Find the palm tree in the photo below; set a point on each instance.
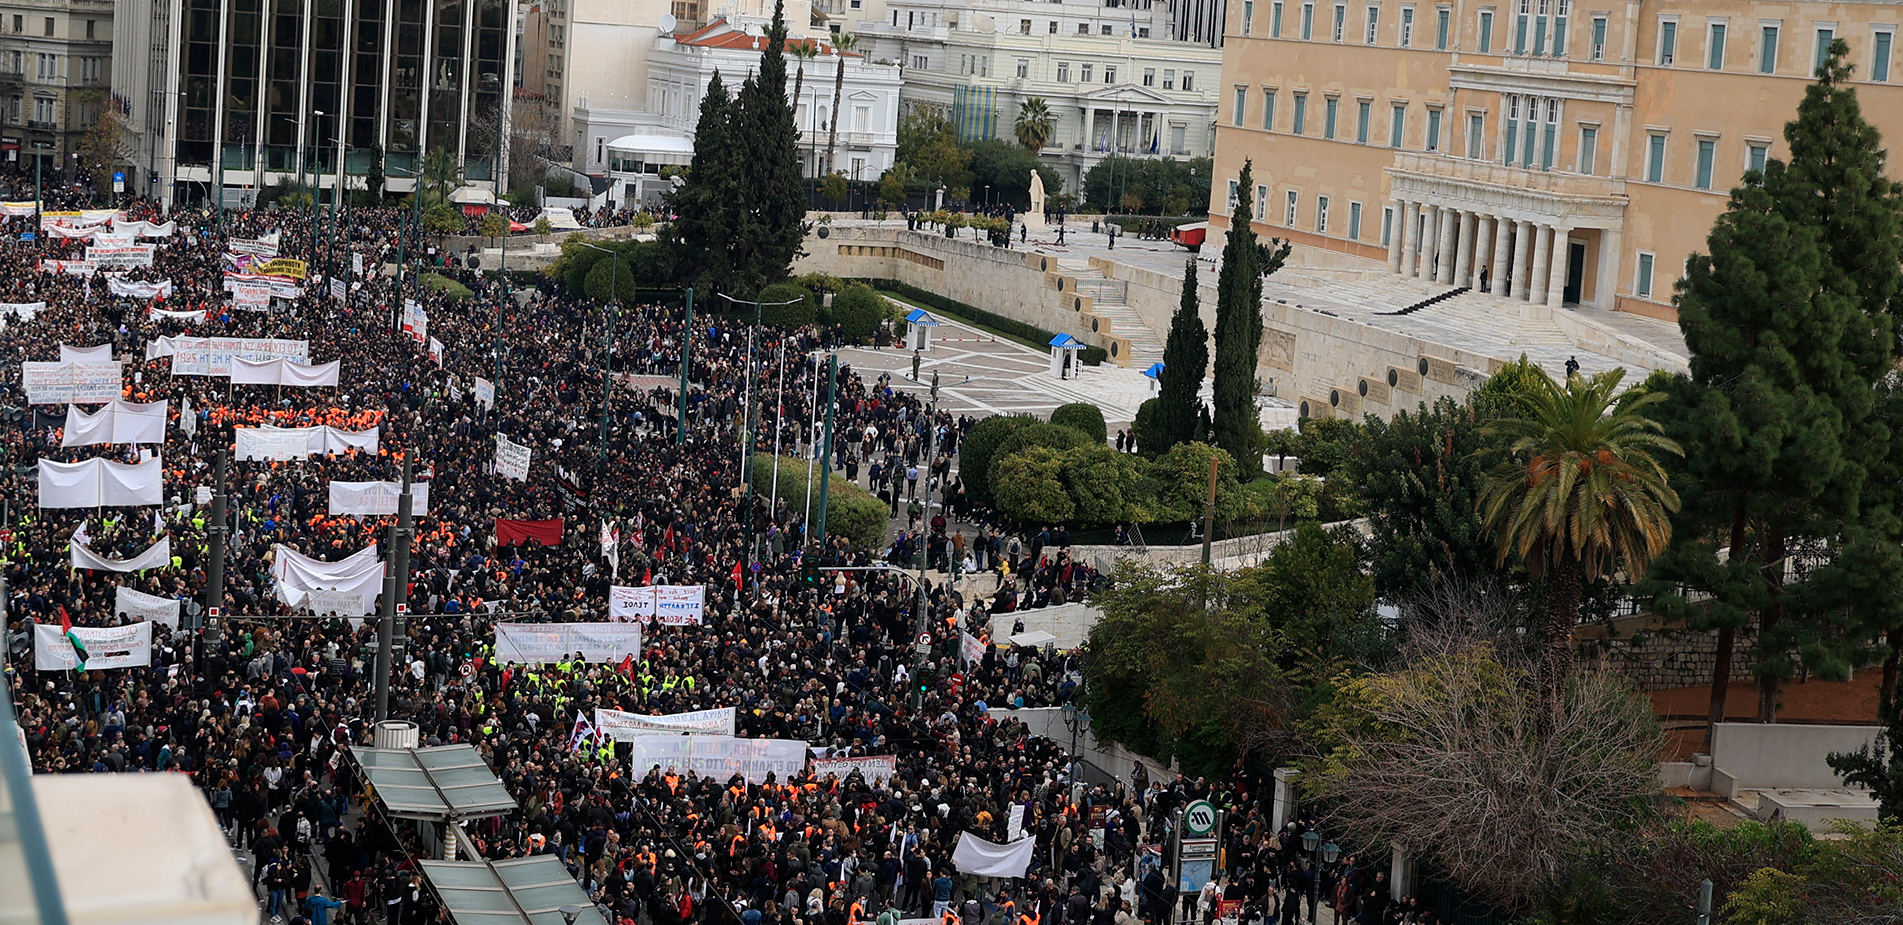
(1579, 497)
(804, 51)
(843, 43)
(1033, 126)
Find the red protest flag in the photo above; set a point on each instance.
(537, 532)
(738, 584)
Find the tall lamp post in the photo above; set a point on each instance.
(607, 343)
(746, 435)
(1324, 854)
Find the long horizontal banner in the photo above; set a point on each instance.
(100, 482)
(299, 576)
(284, 372)
(668, 605)
(123, 255)
(64, 383)
(69, 267)
(623, 726)
(126, 646)
(138, 289)
(271, 442)
(212, 356)
(870, 767)
(719, 757)
(376, 499)
(141, 606)
(544, 643)
(118, 422)
(157, 555)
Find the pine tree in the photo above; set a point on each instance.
(771, 223)
(1179, 412)
(1245, 262)
(1787, 322)
(707, 205)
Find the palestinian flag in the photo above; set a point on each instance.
(79, 648)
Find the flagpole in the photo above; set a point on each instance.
(812, 431)
(779, 420)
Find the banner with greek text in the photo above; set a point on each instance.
(61, 383)
(126, 646)
(123, 255)
(625, 727)
(141, 606)
(512, 459)
(544, 643)
(212, 356)
(668, 605)
(376, 499)
(138, 289)
(719, 757)
(870, 767)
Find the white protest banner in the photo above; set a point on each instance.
(336, 288)
(212, 356)
(680, 605)
(299, 576)
(284, 372)
(118, 422)
(630, 605)
(544, 643)
(25, 310)
(126, 646)
(249, 298)
(85, 218)
(141, 606)
(356, 264)
(63, 383)
(138, 289)
(69, 267)
(101, 483)
(339, 603)
(157, 312)
(283, 287)
(376, 498)
(436, 351)
(18, 209)
(512, 459)
(124, 255)
(970, 648)
(144, 229)
(719, 757)
(625, 727)
(288, 443)
(98, 353)
(255, 248)
(158, 555)
(981, 858)
(871, 767)
(485, 392)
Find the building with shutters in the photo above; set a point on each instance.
(1545, 151)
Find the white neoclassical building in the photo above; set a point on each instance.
(1113, 80)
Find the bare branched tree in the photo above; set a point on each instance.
(1446, 756)
(1454, 613)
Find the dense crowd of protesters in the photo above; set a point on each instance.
(261, 708)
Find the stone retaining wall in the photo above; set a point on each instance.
(1658, 655)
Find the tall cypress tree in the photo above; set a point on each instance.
(1179, 412)
(1245, 262)
(772, 221)
(1789, 328)
(707, 203)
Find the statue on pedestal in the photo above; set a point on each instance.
(1034, 216)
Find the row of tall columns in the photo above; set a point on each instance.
(1451, 246)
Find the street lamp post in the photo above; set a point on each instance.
(1328, 853)
(921, 618)
(746, 435)
(607, 343)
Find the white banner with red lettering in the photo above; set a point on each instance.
(870, 767)
(626, 727)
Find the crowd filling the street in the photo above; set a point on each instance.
(805, 638)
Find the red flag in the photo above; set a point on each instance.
(738, 584)
(536, 532)
(627, 666)
(647, 577)
(65, 622)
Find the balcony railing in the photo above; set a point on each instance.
(1486, 173)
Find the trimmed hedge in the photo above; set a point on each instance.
(1033, 334)
(851, 511)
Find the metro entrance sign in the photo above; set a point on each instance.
(1199, 819)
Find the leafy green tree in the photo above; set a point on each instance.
(892, 185)
(857, 312)
(1049, 436)
(1178, 485)
(1034, 124)
(797, 315)
(1006, 168)
(1313, 590)
(980, 447)
(1174, 651)
(1245, 263)
(1789, 325)
(1325, 445)
(928, 145)
(1179, 409)
(1029, 488)
(834, 188)
(771, 197)
(706, 205)
(1084, 418)
(1105, 486)
(1419, 475)
(1175, 185)
(1580, 496)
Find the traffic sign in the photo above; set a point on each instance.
(1199, 819)
(403, 607)
(212, 612)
